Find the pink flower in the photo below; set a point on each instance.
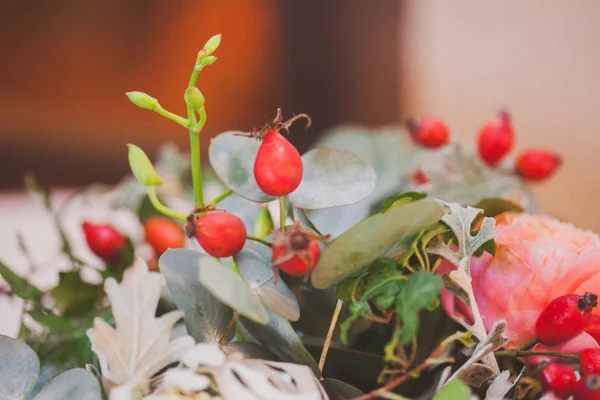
(537, 260)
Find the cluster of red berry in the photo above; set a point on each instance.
(561, 320)
(496, 139)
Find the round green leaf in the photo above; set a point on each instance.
(206, 318)
(371, 239)
(257, 271)
(232, 157)
(231, 289)
(333, 178)
(19, 368)
(73, 384)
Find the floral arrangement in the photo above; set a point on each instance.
(386, 263)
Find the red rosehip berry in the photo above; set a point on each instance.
(496, 139)
(419, 177)
(104, 241)
(564, 318)
(163, 233)
(278, 167)
(296, 251)
(428, 132)
(537, 165)
(588, 388)
(593, 327)
(589, 361)
(559, 379)
(219, 233)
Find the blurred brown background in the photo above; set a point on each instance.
(66, 64)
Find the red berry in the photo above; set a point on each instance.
(564, 318)
(219, 233)
(589, 361)
(278, 166)
(496, 139)
(104, 241)
(560, 379)
(419, 177)
(428, 132)
(537, 165)
(593, 327)
(588, 388)
(163, 233)
(296, 251)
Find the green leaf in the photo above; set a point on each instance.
(54, 322)
(232, 158)
(350, 288)
(494, 206)
(332, 178)
(19, 285)
(342, 389)
(455, 390)
(279, 337)
(415, 295)
(67, 351)
(402, 198)
(73, 296)
(19, 368)
(231, 289)
(141, 167)
(358, 309)
(73, 384)
(206, 318)
(372, 238)
(258, 272)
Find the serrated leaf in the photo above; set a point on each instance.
(414, 296)
(258, 272)
(232, 158)
(19, 368)
(455, 390)
(19, 285)
(279, 337)
(73, 296)
(332, 178)
(73, 384)
(372, 238)
(231, 289)
(205, 316)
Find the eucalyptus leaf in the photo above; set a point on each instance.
(19, 285)
(73, 384)
(19, 368)
(257, 271)
(231, 289)
(232, 158)
(279, 337)
(372, 238)
(332, 178)
(206, 318)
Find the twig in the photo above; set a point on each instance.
(332, 325)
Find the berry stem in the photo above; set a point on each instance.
(172, 116)
(259, 240)
(282, 213)
(332, 325)
(521, 353)
(161, 207)
(222, 197)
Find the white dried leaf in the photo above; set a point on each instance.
(208, 354)
(139, 345)
(184, 380)
(500, 386)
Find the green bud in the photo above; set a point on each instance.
(143, 100)
(263, 224)
(212, 44)
(142, 167)
(208, 60)
(194, 98)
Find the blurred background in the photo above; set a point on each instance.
(65, 66)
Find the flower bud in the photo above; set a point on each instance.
(212, 44)
(209, 60)
(194, 98)
(143, 100)
(142, 168)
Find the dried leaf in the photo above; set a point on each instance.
(475, 374)
(501, 386)
(139, 345)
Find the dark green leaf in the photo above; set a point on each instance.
(205, 317)
(19, 285)
(488, 247)
(74, 384)
(455, 390)
(332, 178)
(402, 198)
(257, 271)
(340, 390)
(371, 238)
(279, 337)
(54, 322)
(350, 288)
(357, 309)
(232, 158)
(67, 351)
(415, 295)
(19, 368)
(495, 206)
(73, 296)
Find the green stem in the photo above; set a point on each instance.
(259, 240)
(195, 127)
(173, 117)
(161, 207)
(222, 197)
(520, 353)
(282, 213)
